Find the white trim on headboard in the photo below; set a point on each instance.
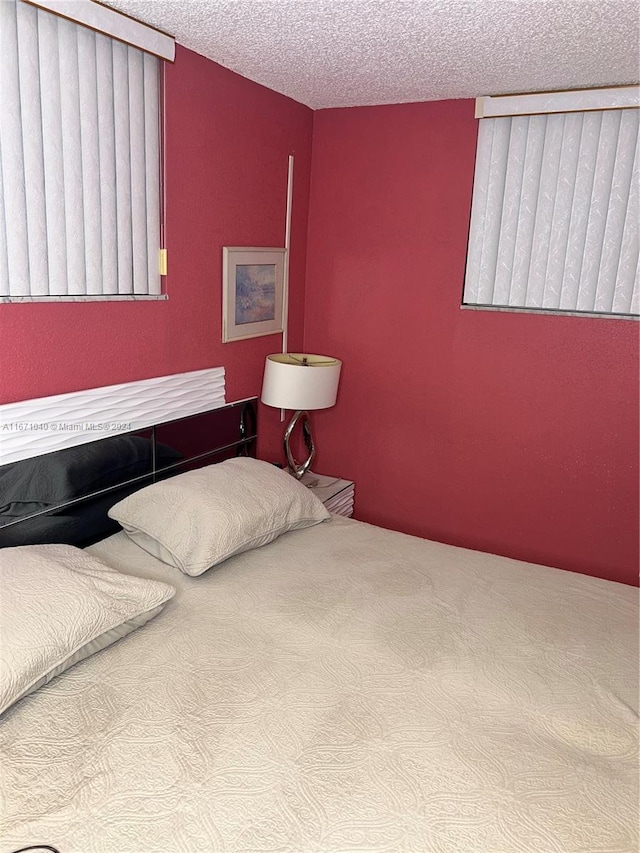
(32, 427)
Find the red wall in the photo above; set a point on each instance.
(227, 144)
(510, 433)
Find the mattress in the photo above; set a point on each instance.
(345, 688)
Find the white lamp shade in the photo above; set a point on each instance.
(300, 381)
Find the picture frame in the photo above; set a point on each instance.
(252, 292)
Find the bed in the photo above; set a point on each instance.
(338, 688)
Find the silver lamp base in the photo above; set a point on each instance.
(298, 469)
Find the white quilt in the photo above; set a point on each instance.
(342, 689)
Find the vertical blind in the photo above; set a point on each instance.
(555, 213)
(79, 158)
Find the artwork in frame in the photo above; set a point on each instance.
(252, 292)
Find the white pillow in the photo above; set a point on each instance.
(58, 605)
(198, 519)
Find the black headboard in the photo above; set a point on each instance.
(64, 496)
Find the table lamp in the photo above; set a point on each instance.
(300, 382)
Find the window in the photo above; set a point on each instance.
(79, 153)
(555, 211)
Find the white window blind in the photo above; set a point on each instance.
(555, 213)
(79, 161)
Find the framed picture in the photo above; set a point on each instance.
(252, 292)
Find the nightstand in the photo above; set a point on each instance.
(336, 494)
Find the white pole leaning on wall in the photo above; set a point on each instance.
(287, 246)
(285, 271)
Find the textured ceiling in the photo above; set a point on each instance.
(339, 53)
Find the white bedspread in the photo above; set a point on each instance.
(342, 689)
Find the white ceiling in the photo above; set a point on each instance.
(340, 53)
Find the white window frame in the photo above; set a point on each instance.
(554, 219)
(80, 153)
